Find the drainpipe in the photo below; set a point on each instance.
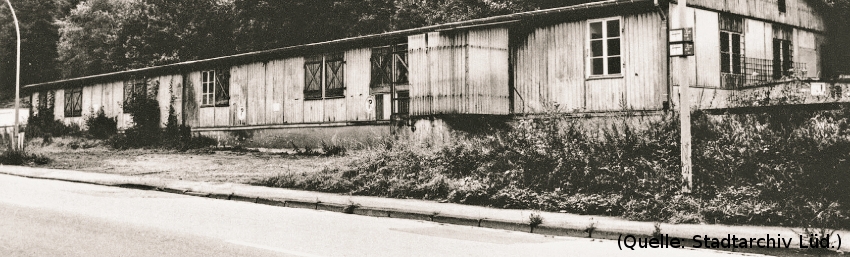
(667, 61)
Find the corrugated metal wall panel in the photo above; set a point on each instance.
(420, 91)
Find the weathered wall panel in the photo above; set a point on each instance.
(798, 12)
(273, 93)
(357, 78)
(96, 100)
(606, 95)
(293, 85)
(313, 111)
(488, 71)
(463, 72)
(707, 48)
(549, 69)
(420, 88)
(645, 57)
(191, 100)
(238, 96)
(87, 103)
(255, 89)
(59, 109)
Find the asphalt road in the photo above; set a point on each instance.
(54, 218)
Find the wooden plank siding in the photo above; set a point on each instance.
(758, 43)
(293, 93)
(707, 49)
(550, 69)
(272, 92)
(798, 13)
(357, 78)
(645, 72)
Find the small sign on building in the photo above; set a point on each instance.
(681, 42)
(818, 89)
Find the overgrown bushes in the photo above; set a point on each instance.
(769, 168)
(101, 127)
(146, 130)
(42, 124)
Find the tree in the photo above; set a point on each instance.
(88, 42)
(38, 42)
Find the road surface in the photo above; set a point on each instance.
(54, 218)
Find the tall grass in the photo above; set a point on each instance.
(768, 168)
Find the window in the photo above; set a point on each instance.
(215, 88)
(74, 102)
(782, 6)
(389, 65)
(731, 45)
(783, 63)
(324, 76)
(605, 47)
(135, 87)
(334, 76)
(45, 101)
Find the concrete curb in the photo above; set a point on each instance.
(594, 227)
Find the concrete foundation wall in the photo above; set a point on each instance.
(350, 136)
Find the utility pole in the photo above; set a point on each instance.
(684, 105)
(17, 80)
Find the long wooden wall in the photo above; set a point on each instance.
(463, 72)
(272, 93)
(798, 12)
(551, 69)
(704, 66)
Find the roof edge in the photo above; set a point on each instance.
(271, 53)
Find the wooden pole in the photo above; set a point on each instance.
(17, 78)
(684, 106)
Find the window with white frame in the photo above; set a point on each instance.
(605, 42)
(215, 87)
(731, 44)
(732, 59)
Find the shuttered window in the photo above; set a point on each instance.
(73, 102)
(324, 76)
(389, 65)
(334, 76)
(605, 43)
(215, 88)
(134, 88)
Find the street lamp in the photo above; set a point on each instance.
(17, 78)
